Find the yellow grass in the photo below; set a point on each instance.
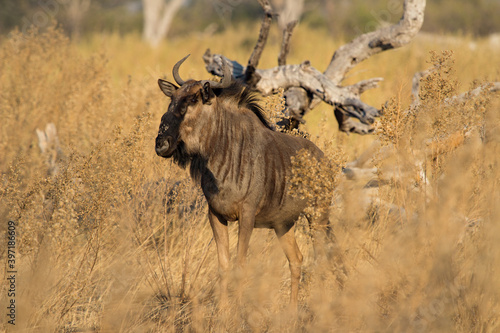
(119, 241)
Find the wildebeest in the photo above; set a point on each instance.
(242, 164)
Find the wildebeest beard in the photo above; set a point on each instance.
(197, 168)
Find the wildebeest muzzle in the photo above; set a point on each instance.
(164, 146)
(168, 134)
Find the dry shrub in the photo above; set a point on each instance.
(98, 225)
(274, 106)
(118, 240)
(315, 180)
(421, 273)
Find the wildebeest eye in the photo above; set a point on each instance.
(194, 98)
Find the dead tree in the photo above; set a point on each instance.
(305, 86)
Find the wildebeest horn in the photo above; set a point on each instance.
(175, 71)
(226, 77)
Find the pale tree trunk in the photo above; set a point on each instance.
(75, 12)
(288, 11)
(158, 17)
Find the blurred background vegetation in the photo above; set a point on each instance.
(342, 18)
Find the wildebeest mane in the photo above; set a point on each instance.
(181, 156)
(245, 97)
(197, 166)
(195, 161)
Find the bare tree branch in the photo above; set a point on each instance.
(369, 44)
(415, 84)
(415, 88)
(305, 86)
(348, 125)
(253, 61)
(213, 64)
(489, 87)
(362, 86)
(314, 82)
(285, 44)
(288, 17)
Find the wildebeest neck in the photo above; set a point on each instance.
(198, 169)
(219, 147)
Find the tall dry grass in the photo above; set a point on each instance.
(118, 239)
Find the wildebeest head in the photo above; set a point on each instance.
(186, 102)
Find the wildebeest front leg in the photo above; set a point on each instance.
(287, 240)
(246, 225)
(221, 236)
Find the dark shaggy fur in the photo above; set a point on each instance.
(245, 97)
(197, 164)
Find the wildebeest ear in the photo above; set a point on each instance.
(206, 93)
(167, 87)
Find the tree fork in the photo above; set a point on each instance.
(305, 86)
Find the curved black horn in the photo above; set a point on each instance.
(226, 77)
(175, 71)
